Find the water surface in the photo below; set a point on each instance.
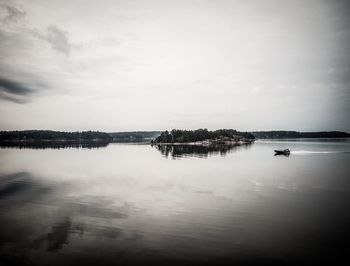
(137, 204)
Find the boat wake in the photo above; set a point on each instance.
(302, 152)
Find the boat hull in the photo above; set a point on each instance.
(282, 152)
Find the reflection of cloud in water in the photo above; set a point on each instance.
(59, 234)
(21, 187)
(19, 192)
(56, 238)
(40, 217)
(13, 184)
(197, 150)
(96, 210)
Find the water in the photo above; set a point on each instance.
(137, 204)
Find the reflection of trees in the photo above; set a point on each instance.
(197, 150)
(53, 145)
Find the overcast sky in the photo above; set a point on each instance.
(154, 65)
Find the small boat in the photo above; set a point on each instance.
(282, 152)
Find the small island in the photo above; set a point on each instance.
(204, 137)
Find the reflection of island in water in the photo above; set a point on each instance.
(53, 145)
(201, 151)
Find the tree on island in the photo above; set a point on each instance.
(183, 136)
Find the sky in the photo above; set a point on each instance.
(113, 65)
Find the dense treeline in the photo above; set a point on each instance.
(182, 136)
(49, 135)
(295, 134)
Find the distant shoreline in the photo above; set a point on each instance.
(283, 134)
(183, 137)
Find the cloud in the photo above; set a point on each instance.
(19, 75)
(24, 52)
(12, 98)
(58, 39)
(17, 91)
(14, 87)
(12, 14)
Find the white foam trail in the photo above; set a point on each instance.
(317, 152)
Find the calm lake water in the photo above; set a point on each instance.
(137, 204)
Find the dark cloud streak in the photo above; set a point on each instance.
(14, 87)
(15, 91)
